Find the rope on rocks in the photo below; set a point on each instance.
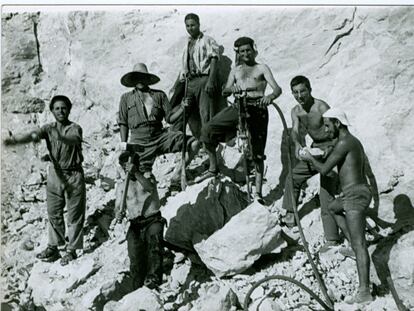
(329, 304)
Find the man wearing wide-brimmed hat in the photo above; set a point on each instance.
(307, 119)
(141, 112)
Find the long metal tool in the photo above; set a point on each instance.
(328, 305)
(184, 147)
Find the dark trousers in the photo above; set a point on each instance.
(145, 250)
(329, 186)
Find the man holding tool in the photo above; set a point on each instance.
(137, 197)
(307, 119)
(247, 75)
(65, 181)
(349, 157)
(141, 112)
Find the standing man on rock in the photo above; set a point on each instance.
(198, 65)
(307, 118)
(223, 127)
(349, 157)
(65, 181)
(145, 233)
(141, 112)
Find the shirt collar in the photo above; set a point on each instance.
(199, 37)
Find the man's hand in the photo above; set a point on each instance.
(305, 154)
(10, 141)
(116, 229)
(235, 89)
(122, 146)
(265, 101)
(130, 167)
(186, 102)
(209, 88)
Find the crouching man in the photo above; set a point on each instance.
(145, 233)
(349, 156)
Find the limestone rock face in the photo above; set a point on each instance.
(248, 235)
(201, 210)
(141, 299)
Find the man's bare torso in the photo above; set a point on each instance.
(251, 77)
(319, 106)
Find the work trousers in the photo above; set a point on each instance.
(145, 249)
(329, 187)
(66, 188)
(202, 108)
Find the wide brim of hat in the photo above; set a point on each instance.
(132, 78)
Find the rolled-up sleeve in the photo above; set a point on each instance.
(123, 112)
(213, 49)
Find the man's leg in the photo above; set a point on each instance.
(356, 224)
(137, 255)
(154, 241)
(336, 208)
(329, 187)
(219, 129)
(257, 124)
(56, 224)
(301, 173)
(76, 207)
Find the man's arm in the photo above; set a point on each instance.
(123, 120)
(295, 132)
(25, 138)
(229, 88)
(266, 100)
(211, 76)
(339, 153)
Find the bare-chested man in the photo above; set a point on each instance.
(247, 74)
(307, 119)
(349, 157)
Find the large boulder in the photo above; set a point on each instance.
(248, 235)
(141, 299)
(201, 210)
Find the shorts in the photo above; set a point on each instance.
(355, 198)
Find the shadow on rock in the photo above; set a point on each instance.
(404, 214)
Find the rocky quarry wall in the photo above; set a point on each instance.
(357, 58)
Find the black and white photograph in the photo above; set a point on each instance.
(207, 157)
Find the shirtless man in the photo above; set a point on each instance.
(349, 157)
(307, 118)
(223, 127)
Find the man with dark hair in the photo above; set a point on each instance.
(145, 233)
(65, 181)
(349, 157)
(141, 112)
(307, 119)
(223, 127)
(198, 65)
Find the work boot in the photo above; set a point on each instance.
(68, 257)
(327, 246)
(289, 219)
(362, 297)
(50, 254)
(259, 198)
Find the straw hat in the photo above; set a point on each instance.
(139, 74)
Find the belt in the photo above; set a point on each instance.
(150, 124)
(196, 75)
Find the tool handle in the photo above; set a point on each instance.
(121, 214)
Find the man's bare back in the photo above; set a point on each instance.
(351, 168)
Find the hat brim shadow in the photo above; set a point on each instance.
(131, 79)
